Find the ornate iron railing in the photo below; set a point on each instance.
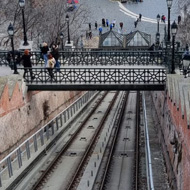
(114, 58)
(91, 76)
(92, 57)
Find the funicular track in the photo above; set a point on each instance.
(123, 151)
(96, 136)
(55, 163)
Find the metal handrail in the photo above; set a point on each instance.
(150, 182)
(37, 140)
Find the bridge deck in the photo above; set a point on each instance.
(97, 78)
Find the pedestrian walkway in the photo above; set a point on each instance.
(5, 71)
(127, 13)
(91, 43)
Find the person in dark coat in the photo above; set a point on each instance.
(121, 25)
(96, 25)
(135, 23)
(55, 54)
(178, 19)
(27, 63)
(140, 16)
(107, 22)
(44, 50)
(89, 26)
(103, 22)
(90, 34)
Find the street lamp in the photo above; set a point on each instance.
(67, 19)
(22, 5)
(174, 32)
(158, 20)
(169, 4)
(61, 36)
(10, 31)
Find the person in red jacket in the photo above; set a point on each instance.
(27, 63)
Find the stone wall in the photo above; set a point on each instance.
(173, 113)
(22, 113)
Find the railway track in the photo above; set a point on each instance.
(102, 142)
(71, 150)
(121, 166)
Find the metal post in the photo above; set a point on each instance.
(158, 27)
(169, 23)
(62, 44)
(173, 54)
(9, 165)
(13, 55)
(19, 157)
(68, 33)
(24, 29)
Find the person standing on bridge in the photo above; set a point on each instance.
(55, 54)
(27, 63)
(51, 64)
(44, 50)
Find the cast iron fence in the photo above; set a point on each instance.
(89, 75)
(96, 57)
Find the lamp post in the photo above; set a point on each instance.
(61, 36)
(67, 19)
(157, 39)
(81, 42)
(169, 4)
(158, 20)
(22, 5)
(174, 32)
(10, 31)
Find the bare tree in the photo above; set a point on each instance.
(183, 33)
(44, 20)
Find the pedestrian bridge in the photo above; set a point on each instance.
(100, 70)
(98, 78)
